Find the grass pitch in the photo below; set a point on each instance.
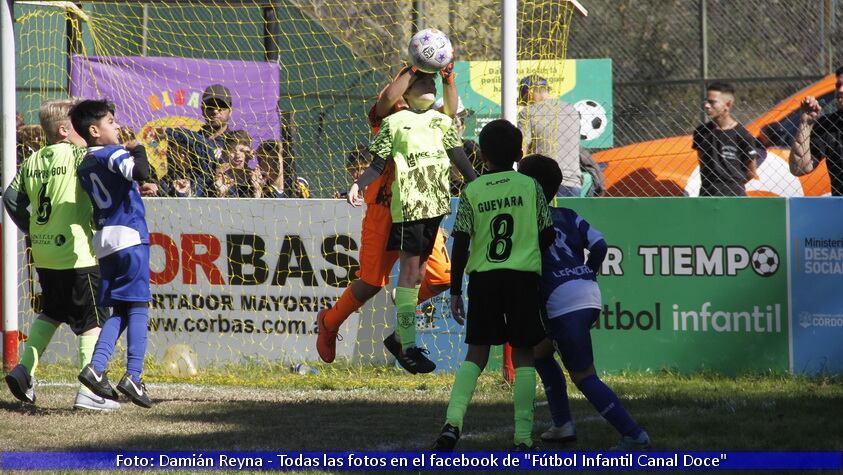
(264, 407)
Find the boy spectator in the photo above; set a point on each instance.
(108, 174)
(418, 143)
(727, 151)
(356, 163)
(233, 178)
(30, 139)
(818, 138)
(504, 217)
(375, 261)
(271, 166)
(571, 296)
(551, 127)
(59, 230)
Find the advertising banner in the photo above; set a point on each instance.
(816, 232)
(151, 92)
(691, 285)
(585, 83)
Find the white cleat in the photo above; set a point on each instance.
(566, 433)
(86, 399)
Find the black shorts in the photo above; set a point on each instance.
(504, 306)
(68, 296)
(414, 237)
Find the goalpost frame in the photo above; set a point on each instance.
(7, 142)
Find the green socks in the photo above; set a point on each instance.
(464, 384)
(40, 334)
(405, 307)
(86, 349)
(523, 398)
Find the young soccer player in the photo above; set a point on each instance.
(375, 261)
(108, 174)
(503, 215)
(59, 230)
(572, 298)
(418, 143)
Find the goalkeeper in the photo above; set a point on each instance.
(375, 261)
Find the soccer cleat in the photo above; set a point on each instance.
(627, 443)
(564, 433)
(447, 439)
(326, 341)
(135, 391)
(97, 383)
(412, 359)
(86, 399)
(20, 384)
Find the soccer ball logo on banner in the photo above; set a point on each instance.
(592, 119)
(765, 261)
(430, 50)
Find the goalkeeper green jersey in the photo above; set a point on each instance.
(417, 142)
(60, 224)
(503, 213)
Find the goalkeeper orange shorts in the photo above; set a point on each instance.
(376, 262)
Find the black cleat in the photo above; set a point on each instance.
(447, 439)
(20, 384)
(97, 383)
(523, 447)
(412, 359)
(134, 391)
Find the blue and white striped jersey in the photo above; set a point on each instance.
(568, 282)
(119, 215)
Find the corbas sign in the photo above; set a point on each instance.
(248, 262)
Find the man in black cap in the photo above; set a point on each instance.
(193, 156)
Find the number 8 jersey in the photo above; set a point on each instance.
(503, 213)
(119, 215)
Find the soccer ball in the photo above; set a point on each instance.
(430, 50)
(765, 261)
(592, 119)
(181, 361)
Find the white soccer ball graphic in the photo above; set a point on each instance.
(765, 261)
(181, 361)
(593, 119)
(430, 50)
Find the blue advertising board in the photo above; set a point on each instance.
(816, 247)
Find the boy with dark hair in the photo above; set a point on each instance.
(233, 178)
(727, 151)
(59, 230)
(572, 298)
(108, 174)
(503, 215)
(419, 143)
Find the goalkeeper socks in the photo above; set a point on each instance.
(464, 383)
(523, 398)
(608, 405)
(40, 334)
(110, 332)
(405, 309)
(345, 306)
(555, 389)
(87, 343)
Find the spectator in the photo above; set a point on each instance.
(551, 127)
(356, 163)
(234, 179)
(817, 138)
(594, 183)
(31, 138)
(196, 155)
(19, 121)
(727, 151)
(270, 161)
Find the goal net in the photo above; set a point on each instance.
(242, 279)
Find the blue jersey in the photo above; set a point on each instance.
(119, 215)
(569, 283)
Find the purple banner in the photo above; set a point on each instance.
(167, 92)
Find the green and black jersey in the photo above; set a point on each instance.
(60, 224)
(417, 142)
(503, 213)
